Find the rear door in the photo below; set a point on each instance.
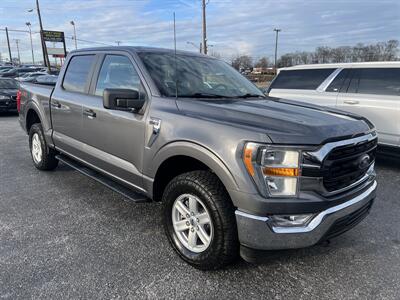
(114, 139)
(66, 104)
(375, 94)
(305, 86)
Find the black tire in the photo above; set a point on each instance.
(48, 160)
(224, 245)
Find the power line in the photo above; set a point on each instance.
(16, 30)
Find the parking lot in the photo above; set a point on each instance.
(63, 235)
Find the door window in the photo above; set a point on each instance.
(77, 74)
(379, 81)
(118, 72)
(301, 79)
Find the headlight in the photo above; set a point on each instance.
(3, 97)
(275, 170)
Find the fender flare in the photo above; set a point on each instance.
(31, 105)
(47, 129)
(198, 152)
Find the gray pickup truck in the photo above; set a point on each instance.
(236, 172)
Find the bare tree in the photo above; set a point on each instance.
(391, 50)
(286, 60)
(242, 62)
(323, 54)
(262, 63)
(214, 53)
(384, 51)
(305, 57)
(340, 54)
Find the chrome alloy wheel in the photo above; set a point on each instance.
(192, 223)
(36, 148)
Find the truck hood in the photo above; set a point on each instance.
(285, 122)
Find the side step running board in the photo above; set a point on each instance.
(132, 195)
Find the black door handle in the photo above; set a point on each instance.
(89, 113)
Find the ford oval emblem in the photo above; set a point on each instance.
(364, 161)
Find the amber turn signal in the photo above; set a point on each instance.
(248, 157)
(287, 172)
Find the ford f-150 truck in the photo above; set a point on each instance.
(236, 172)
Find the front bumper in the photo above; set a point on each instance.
(257, 232)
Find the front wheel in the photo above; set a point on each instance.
(43, 157)
(199, 220)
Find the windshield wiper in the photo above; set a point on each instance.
(248, 95)
(202, 95)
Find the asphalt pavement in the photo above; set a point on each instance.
(64, 236)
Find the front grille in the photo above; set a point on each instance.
(343, 166)
(347, 222)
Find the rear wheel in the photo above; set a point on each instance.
(42, 156)
(199, 220)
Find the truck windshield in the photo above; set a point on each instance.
(196, 77)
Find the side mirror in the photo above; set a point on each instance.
(122, 99)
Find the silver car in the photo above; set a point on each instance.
(369, 89)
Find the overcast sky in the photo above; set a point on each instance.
(234, 27)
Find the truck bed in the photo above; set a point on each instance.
(37, 97)
(41, 90)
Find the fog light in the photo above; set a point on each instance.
(291, 220)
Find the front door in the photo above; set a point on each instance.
(114, 139)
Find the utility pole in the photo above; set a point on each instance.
(276, 47)
(76, 43)
(174, 34)
(45, 57)
(204, 4)
(55, 58)
(8, 44)
(30, 35)
(19, 57)
(118, 42)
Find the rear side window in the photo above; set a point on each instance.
(77, 73)
(380, 81)
(301, 79)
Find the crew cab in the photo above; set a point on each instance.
(236, 172)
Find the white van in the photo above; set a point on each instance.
(369, 89)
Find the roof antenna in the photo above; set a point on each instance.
(176, 69)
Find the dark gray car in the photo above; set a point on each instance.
(8, 94)
(237, 172)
